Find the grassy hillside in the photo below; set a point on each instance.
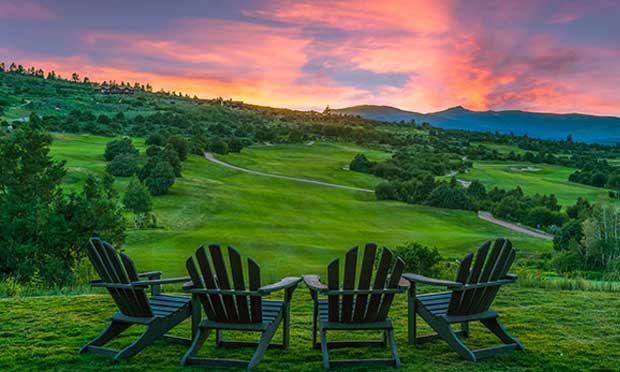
(541, 178)
(295, 227)
(561, 331)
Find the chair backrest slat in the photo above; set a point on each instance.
(368, 263)
(461, 277)
(222, 281)
(359, 308)
(474, 277)
(197, 282)
(256, 307)
(348, 282)
(236, 307)
(237, 277)
(397, 271)
(210, 283)
(487, 269)
(106, 261)
(333, 280)
(380, 276)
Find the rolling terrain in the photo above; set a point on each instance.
(297, 227)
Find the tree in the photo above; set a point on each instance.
(600, 245)
(120, 146)
(419, 259)
(160, 178)
(75, 77)
(360, 164)
(180, 145)
(43, 230)
(218, 146)
(386, 191)
(613, 182)
(155, 139)
(2, 67)
(138, 200)
(447, 196)
(123, 165)
(172, 157)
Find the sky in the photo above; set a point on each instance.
(425, 56)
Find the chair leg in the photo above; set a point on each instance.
(324, 348)
(314, 324)
(447, 334)
(263, 344)
(495, 326)
(286, 330)
(392, 341)
(201, 336)
(219, 337)
(112, 330)
(465, 329)
(151, 334)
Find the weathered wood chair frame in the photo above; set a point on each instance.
(469, 299)
(159, 314)
(235, 309)
(356, 308)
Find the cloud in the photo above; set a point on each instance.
(24, 10)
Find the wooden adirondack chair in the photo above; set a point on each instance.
(352, 306)
(233, 307)
(469, 299)
(159, 313)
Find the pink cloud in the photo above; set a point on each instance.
(24, 9)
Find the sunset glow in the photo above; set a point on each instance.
(557, 56)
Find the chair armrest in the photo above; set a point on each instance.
(431, 281)
(150, 275)
(313, 282)
(163, 281)
(512, 277)
(288, 282)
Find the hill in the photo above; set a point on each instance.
(586, 128)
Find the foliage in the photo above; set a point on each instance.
(118, 147)
(360, 164)
(123, 165)
(138, 200)
(160, 178)
(180, 145)
(218, 146)
(419, 259)
(43, 232)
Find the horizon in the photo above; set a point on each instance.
(556, 57)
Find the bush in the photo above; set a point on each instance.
(123, 165)
(448, 196)
(138, 200)
(155, 139)
(420, 259)
(180, 145)
(386, 191)
(160, 178)
(218, 146)
(117, 147)
(360, 164)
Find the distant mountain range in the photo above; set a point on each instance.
(585, 128)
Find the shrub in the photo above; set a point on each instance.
(449, 196)
(218, 146)
(386, 191)
(155, 139)
(123, 165)
(180, 145)
(419, 259)
(160, 178)
(117, 147)
(360, 164)
(138, 200)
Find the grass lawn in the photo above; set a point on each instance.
(561, 331)
(291, 227)
(547, 179)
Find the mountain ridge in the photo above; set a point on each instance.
(546, 125)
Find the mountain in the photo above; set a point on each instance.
(586, 128)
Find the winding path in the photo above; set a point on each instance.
(481, 214)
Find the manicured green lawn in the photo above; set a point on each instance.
(547, 179)
(287, 226)
(561, 331)
(327, 162)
